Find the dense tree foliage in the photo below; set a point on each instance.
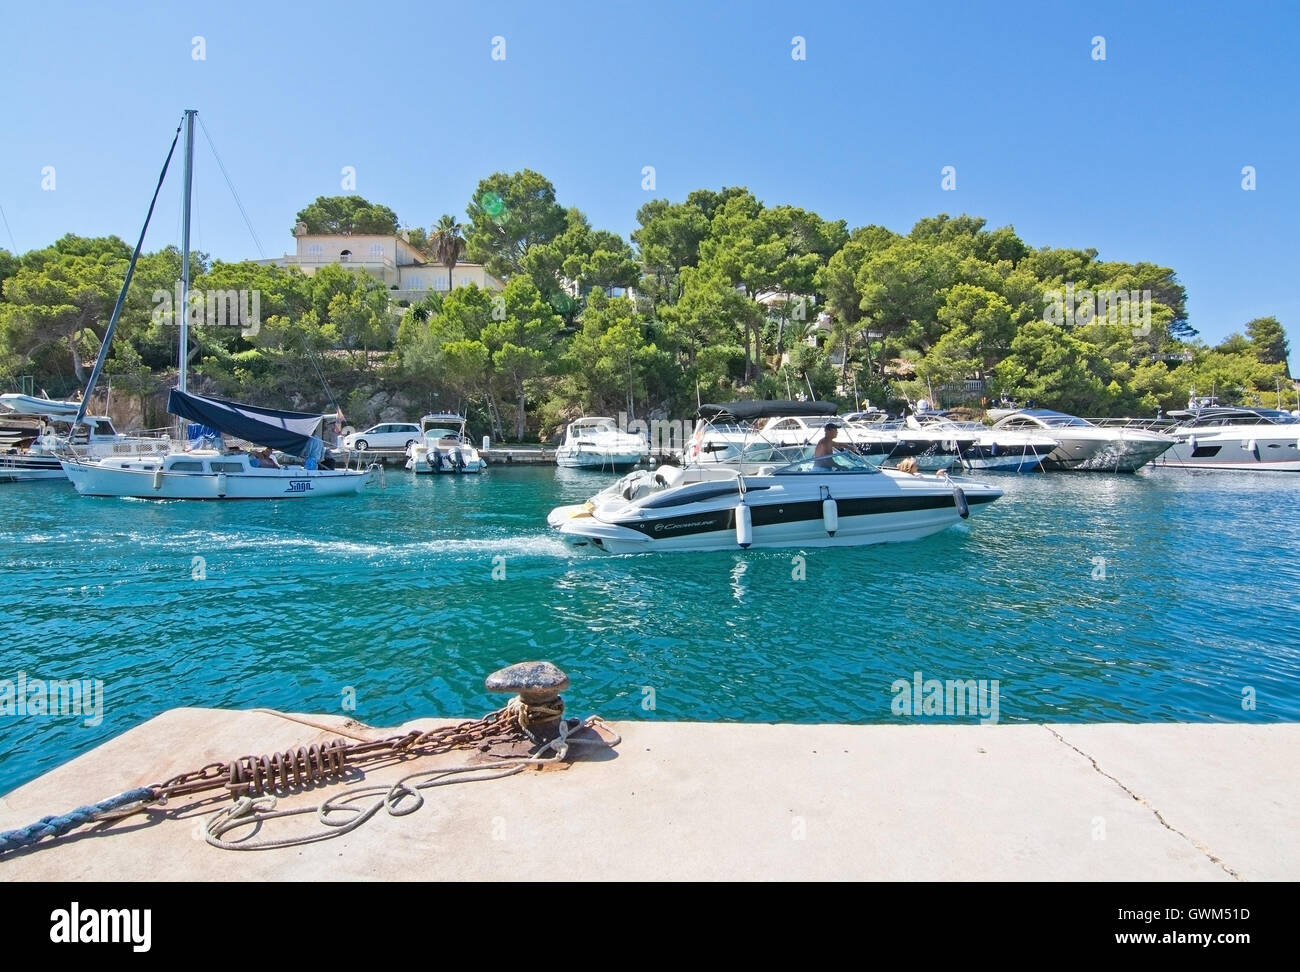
(716, 296)
(347, 214)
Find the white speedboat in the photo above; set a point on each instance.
(1228, 437)
(93, 438)
(443, 447)
(597, 443)
(838, 500)
(208, 474)
(1084, 446)
(1003, 450)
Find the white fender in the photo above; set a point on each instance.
(1191, 443)
(157, 478)
(1253, 448)
(744, 525)
(221, 484)
(830, 515)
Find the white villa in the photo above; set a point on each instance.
(408, 274)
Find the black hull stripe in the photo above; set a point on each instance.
(770, 513)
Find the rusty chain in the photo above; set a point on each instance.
(303, 765)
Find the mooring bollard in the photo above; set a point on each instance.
(538, 685)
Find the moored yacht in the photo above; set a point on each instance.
(1234, 437)
(1084, 446)
(443, 447)
(597, 443)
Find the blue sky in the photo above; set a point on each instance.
(1139, 155)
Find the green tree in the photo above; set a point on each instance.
(524, 343)
(1050, 365)
(1268, 340)
(509, 214)
(347, 215)
(56, 302)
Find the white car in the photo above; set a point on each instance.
(390, 435)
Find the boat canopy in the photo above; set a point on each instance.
(292, 432)
(746, 411)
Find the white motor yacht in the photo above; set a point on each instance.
(1229, 437)
(444, 447)
(597, 443)
(1084, 446)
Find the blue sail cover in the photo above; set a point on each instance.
(292, 432)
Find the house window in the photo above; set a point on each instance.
(345, 256)
(314, 250)
(377, 251)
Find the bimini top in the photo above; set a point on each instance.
(746, 411)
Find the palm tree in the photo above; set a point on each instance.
(447, 245)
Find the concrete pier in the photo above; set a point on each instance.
(1203, 802)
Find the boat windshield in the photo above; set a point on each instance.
(441, 434)
(836, 462)
(1057, 420)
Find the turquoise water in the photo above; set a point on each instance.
(392, 595)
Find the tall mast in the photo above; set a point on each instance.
(184, 309)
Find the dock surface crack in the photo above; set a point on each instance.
(1198, 845)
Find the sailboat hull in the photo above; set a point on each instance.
(154, 480)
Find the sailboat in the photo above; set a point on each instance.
(207, 470)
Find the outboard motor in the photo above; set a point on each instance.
(457, 460)
(435, 460)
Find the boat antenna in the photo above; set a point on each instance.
(121, 297)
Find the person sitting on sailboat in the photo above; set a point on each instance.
(264, 459)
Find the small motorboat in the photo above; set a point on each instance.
(444, 447)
